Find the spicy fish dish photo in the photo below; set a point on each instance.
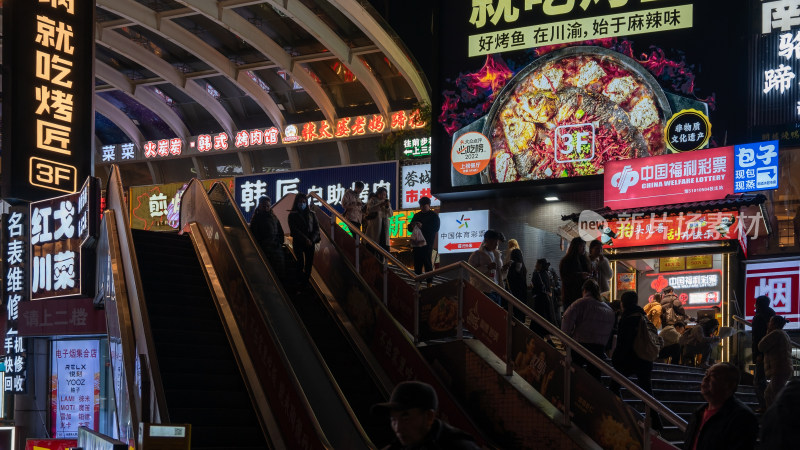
(570, 112)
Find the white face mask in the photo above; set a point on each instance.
(301, 206)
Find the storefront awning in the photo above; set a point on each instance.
(731, 202)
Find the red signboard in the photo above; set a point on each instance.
(682, 228)
(60, 317)
(780, 281)
(696, 289)
(694, 176)
(50, 444)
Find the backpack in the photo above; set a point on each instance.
(648, 343)
(669, 316)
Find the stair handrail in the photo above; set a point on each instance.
(197, 185)
(743, 321)
(512, 302)
(143, 337)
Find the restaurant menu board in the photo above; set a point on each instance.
(538, 92)
(74, 386)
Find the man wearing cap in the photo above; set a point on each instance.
(489, 261)
(412, 412)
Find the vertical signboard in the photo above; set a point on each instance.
(74, 387)
(416, 182)
(755, 167)
(48, 82)
(780, 281)
(15, 269)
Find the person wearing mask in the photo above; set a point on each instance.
(411, 411)
(268, 232)
(304, 229)
(542, 294)
(353, 207)
(489, 261)
(625, 359)
(590, 322)
(600, 267)
(723, 422)
(776, 349)
(671, 334)
(575, 269)
(380, 208)
(761, 318)
(700, 339)
(428, 221)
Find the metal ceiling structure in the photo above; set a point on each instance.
(167, 69)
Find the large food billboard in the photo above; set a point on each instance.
(539, 92)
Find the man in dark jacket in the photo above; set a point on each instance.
(760, 322)
(723, 423)
(268, 232)
(305, 234)
(625, 359)
(429, 223)
(412, 411)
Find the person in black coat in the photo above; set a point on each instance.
(724, 422)
(760, 322)
(625, 359)
(304, 229)
(543, 302)
(428, 220)
(268, 232)
(574, 269)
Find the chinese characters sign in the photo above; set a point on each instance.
(74, 387)
(462, 231)
(656, 229)
(329, 184)
(47, 97)
(55, 246)
(15, 269)
(416, 183)
(780, 281)
(309, 132)
(755, 167)
(662, 180)
(157, 207)
(620, 23)
(695, 289)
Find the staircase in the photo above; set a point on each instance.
(678, 388)
(202, 383)
(402, 274)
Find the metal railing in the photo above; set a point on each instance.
(464, 271)
(742, 321)
(795, 359)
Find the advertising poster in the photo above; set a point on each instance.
(74, 387)
(158, 207)
(626, 282)
(462, 232)
(438, 311)
(415, 183)
(682, 228)
(328, 183)
(780, 281)
(542, 92)
(696, 289)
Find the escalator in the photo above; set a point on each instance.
(354, 375)
(202, 383)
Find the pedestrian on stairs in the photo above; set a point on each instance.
(761, 319)
(352, 204)
(777, 350)
(699, 340)
(672, 347)
(625, 359)
(724, 423)
(304, 229)
(268, 232)
(428, 221)
(671, 307)
(590, 322)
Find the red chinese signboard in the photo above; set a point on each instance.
(780, 281)
(682, 228)
(61, 317)
(50, 444)
(661, 180)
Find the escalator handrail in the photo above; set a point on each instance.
(143, 337)
(462, 266)
(195, 187)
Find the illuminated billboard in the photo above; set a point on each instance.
(541, 93)
(158, 207)
(47, 98)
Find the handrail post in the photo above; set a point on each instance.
(648, 422)
(460, 331)
(385, 281)
(416, 312)
(567, 387)
(509, 334)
